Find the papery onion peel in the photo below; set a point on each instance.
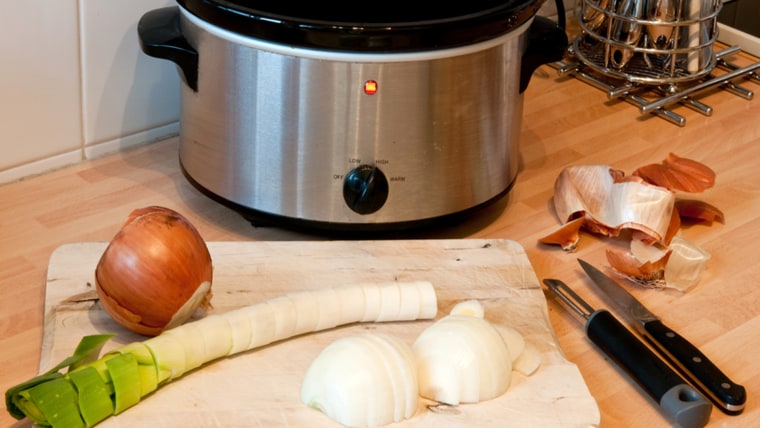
(610, 204)
(677, 173)
(698, 211)
(605, 201)
(566, 236)
(678, 266)
(155, 272)
(626, 264)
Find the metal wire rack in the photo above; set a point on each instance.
(655, 54)
(657, 99)
(649, 41)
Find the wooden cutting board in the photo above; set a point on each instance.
(261, 387)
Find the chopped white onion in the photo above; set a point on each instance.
(372, 379)
(472, 308)
(462, 359)
(528, 361)
(366, 380)
(513, 339)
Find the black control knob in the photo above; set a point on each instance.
(365, 189)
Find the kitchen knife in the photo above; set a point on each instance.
(678, 400)
(706, 376)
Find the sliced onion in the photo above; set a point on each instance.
(471, 308)
(365, 380)
(462, 359)
(513, 339)
(528, 361)
(155, 272)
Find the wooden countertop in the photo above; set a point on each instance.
(566, 122)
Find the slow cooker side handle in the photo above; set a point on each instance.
(161, 37)
(547, 42)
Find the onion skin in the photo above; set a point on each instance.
(677, 173)
(151, 268)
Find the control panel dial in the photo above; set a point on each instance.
(365, 189)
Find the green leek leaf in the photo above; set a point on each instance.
(146, 366)
(95, 402)
(56, 401)
(87, 350)
(125, 379)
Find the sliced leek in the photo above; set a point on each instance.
(92, 390)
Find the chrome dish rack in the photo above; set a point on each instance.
(654, 53)
(649, 41)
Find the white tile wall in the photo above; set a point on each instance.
(124, 91)
(74, 83)
(39, 83)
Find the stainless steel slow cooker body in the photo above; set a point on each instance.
(349, 138)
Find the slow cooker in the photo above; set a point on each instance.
(352, 116)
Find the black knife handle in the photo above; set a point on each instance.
(728, 395)
(677, 399)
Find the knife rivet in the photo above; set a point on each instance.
(697, 359)
(670, 334)
(725, 385)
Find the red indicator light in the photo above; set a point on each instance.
(370, 87)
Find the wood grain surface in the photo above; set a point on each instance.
(565, 122)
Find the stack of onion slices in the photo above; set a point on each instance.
(155, 272)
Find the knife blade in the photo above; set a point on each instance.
(678, 400)
(687, 358)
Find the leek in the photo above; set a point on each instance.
(93, 389)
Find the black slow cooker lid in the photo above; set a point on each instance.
(382, 26)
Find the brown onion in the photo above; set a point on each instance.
(155, 272)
